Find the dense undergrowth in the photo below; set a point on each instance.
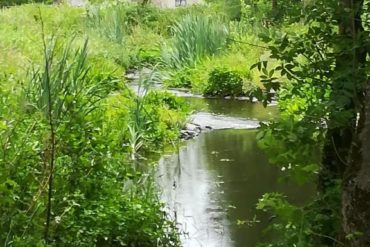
(70, 165)
(73, 133)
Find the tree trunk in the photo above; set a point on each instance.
(346, 93)
(335, 153)
(356, 185)
(274, 5)
(356, 179)
(345, 155)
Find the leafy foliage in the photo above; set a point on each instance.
(318, 98)
(311, 225)
(270, 12)
(59, 167)
(224, 83)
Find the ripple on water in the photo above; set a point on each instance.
(223, 122)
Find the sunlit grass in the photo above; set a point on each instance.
(195, 37)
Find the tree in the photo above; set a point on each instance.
(356, 179)
(356, 183)
(332, 82)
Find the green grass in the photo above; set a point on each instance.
(115, 46)
(244, 50)
(193, 38)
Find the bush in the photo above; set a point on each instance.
(116, 21)
(143, 45)
(222, 82)
(126, 33)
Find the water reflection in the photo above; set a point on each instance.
(233, 108)
(216, 180)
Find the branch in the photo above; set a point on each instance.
(247, 43)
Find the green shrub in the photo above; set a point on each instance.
(222, 82)
(143, 45)
(168, 117)
(150, 57)
(161, 118)
(147, 15)
(194, 37)
(126, 33)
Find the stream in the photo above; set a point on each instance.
(212, 183)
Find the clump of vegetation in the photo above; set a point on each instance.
(65, 178)
(194, 37)
(109, 21)
(240, 50)
(224, 83)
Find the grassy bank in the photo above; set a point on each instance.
(187, 44)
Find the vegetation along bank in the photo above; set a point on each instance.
(75, 134)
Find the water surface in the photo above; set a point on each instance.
(213, 182)
(234, 108)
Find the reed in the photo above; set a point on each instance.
(195, 37)
(109, 22)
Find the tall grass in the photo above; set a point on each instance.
(195, 37)
(109, 22)
(138, 116)
(58, 89)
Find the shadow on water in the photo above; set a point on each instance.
(216, 179)
(233, 108)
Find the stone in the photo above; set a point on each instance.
(193, 127)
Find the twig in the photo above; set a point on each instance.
(336, 152)
(247, 43)
(328, 237)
